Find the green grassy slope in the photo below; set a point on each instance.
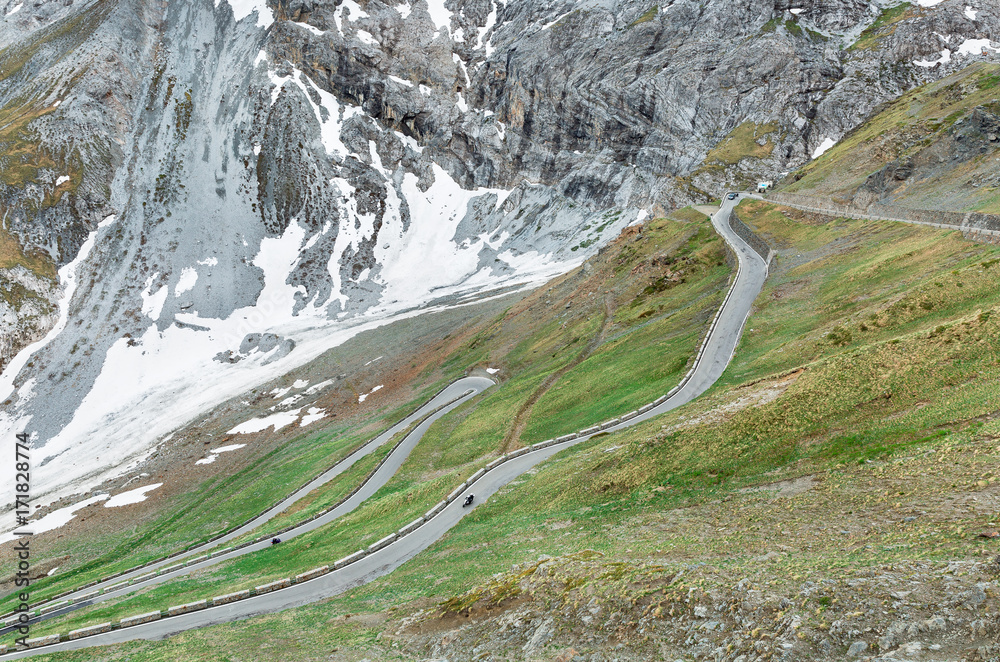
(868, 366)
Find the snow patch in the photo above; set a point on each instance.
(399, 80)
(945, 57)
(366, 38)
(279, 420)
(404, 10)
(68, 280)
(374, 360)
(929, 3)
(976, 47)
(335, 113)
(311, 28)
(364, 396)
(440, 16)
(300, 383)
(491, 20)
(426, 258)
(797, 10)
(316, 388)
(493, 371)
(410, 142)
(16, 8)
(557, 19)
(62, 180)
(55, 519)
(189, 276)
(278, 392)
(970, 13)
(132, 496)
(823, 146)
(353, 10)
(152, 304)
(214, 453)
(312, 415)
(243, 8)
(210, 262)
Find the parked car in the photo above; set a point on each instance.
(731, 196)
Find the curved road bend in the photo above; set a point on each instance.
(452, 396)
(719, 349)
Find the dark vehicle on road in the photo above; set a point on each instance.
(468, 500)
(731, 196)
(275, 541)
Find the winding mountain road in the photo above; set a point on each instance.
(450, 397)
(712, 360)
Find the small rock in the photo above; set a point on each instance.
(566, 656)
(857, 648)
(701, 611)
(934, 623)
(975, 596)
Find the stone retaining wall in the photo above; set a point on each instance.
(94, 629)
(177, 610)
(273, 586)
(42, 641)
(756, 243)
(230, 597)
(140, 619)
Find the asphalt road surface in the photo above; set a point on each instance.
(716, 354)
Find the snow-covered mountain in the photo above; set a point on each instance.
(254, 219)
(227, 188)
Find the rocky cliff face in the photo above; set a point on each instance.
(210, 173)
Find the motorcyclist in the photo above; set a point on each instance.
(275, 541)
(468, 500)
